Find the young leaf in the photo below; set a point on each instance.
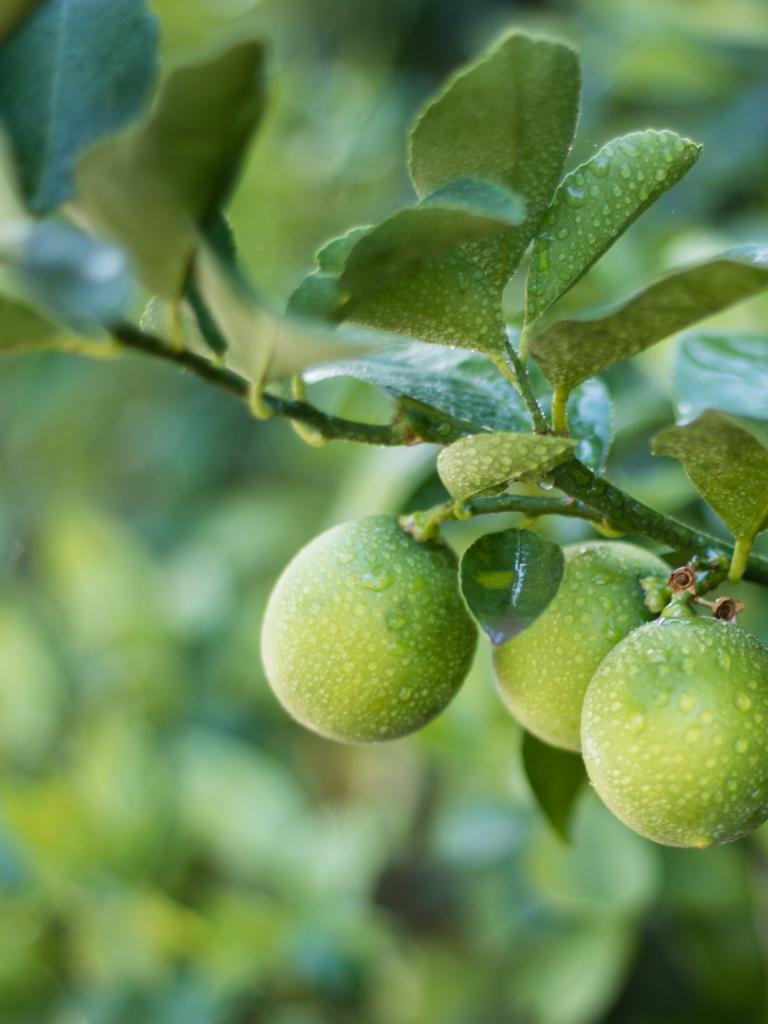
(727, 465)
(556, 778)
(508, 117)
(72, 72)
(22, 329)
(508, 579)
(487, 463)
(722, 371)
(82, 281)
(155, 185)
(463, 384)
(573, 350)
(596, 203)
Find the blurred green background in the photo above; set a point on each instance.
(173, 849)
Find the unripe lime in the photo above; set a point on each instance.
(675, 731)
(365, 636)
(543, 673)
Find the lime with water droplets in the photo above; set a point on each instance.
(675, 731)
(365, 636)
(542, 674)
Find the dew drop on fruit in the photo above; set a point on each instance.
(743, 703)
(686, 702)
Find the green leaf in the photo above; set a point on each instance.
(461, 212)
(12, 12)
(722, 371)
(73, 72)
(556, 778)
(22, 329)
(590, 418)
(508, 117)
(508, 579)
(487, 463)
(464, 384)
(727, 465)
(596, 203)
(570, 351)
(154, 186)
(218, 235)
(81, 281)
(260, 344)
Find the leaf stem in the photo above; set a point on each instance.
(739, 558)
(560, 411)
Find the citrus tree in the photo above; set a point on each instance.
(113, 197)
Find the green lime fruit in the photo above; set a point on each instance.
(365, 636)
(675, 731)
(543, 673)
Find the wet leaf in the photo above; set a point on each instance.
(510, 117)
(722, 371)
(556, 778)
(487, 463)
(570, 351)
(466, 385)
(508, 579)
(596, 203)
(727, 465)
(73, 72)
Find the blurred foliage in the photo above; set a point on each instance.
(173, 848)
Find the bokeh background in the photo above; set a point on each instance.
(173, 849)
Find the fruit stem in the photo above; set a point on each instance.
(739, 558)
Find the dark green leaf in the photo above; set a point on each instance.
(333, 255)
(556, 778)
(464, 384)
(508, 579)
(596, 203)
(487, 463)
(73, 72)
(727, 465)
(573, 350)
(154, 186)
(722, 371)
(509, 117)
(81, 281)
(22, 329)
(318, 296)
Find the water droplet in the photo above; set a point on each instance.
(743, 703)
(693, 734)
(742, 746)
(635, 724)
(686, 702)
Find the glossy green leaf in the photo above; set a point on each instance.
(510, 117)
(82, 281)
(727, 465)
(332, 256)
(722, 371)
(154, 186)
(596, 203)
(570, 351)
(508, 579)
(464, 211)
(12, 12)
(556, 778)
(487, 463)
(218, 235)
(73, 72)
(464, 384)
(22, 329)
